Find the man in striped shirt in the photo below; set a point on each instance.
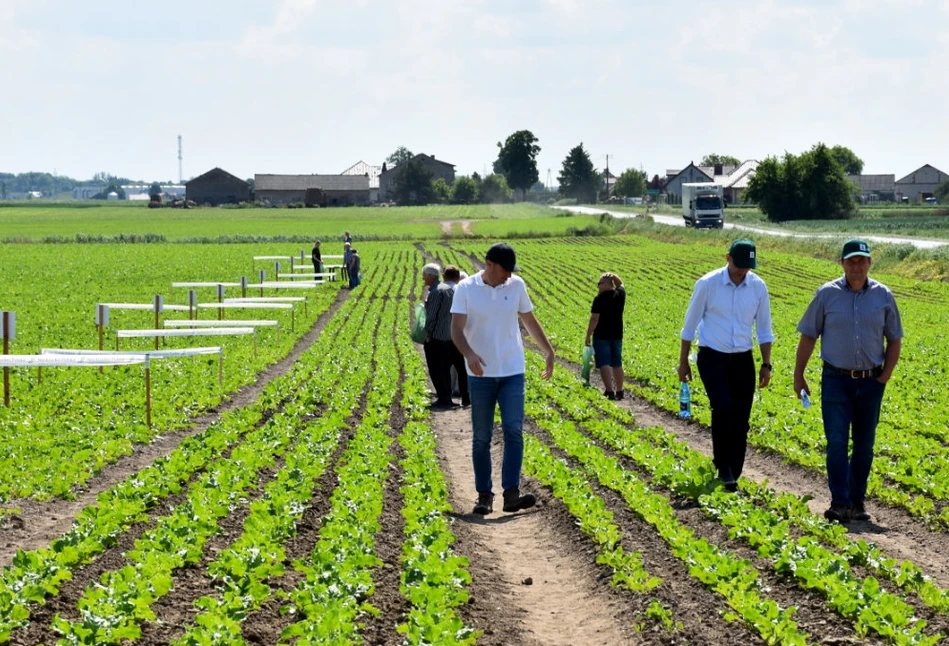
(726, 304)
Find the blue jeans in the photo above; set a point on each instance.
(486, 394)
(849, 407)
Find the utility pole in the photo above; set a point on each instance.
(607, 176)
(548, 180)
(179, 159)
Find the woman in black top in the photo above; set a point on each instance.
(317, 258)
(606, 331)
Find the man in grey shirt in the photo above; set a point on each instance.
(862, 336)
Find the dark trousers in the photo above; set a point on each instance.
(729, 380)
(851, 409)
(440, 357)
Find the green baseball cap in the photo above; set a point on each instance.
(743, 254)
(855, 247)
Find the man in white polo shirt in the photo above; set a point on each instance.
(485, 330)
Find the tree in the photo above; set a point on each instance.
(250, 182)
(851, 164)
(942, 192)
(578, 178)
(811, 186)
(494, 189)
(441, 191)
(518, 160)
(413, 185)
(154, 189)
(3, 190)
(724, 160)
(631, 183)
(464, 191)
(400, 156)
(657, 183)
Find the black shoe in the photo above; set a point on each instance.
(838, 513)
(440, 405)
(618, 395)
(731, 486)
(485, 504)
(465, 402)
(859, 512)
(609, 394)
(514, 501)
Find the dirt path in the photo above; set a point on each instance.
(448, 225)
(892, 529)
(528, 588)
(39, 523)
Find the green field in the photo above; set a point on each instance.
(38, 223)
(324, 510)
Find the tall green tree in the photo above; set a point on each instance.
(578, 178)
(441, 191)
(494, 190)
(154, 189)
(725, 160)
(400, 156)
(851, 164)
(517, 157)
(630, 183)
(413, 185)
(464, 190)
(811, 186)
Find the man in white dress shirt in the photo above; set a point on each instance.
(726, 304)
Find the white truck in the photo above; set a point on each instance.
(702, 205)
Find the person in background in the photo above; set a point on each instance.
(317, 258)
(726, 304)
(355, 266)
(862, 336)
(606, 331)
(347, 255)
(433, 358)
(347, 238)
(455, 372)
(485, 330)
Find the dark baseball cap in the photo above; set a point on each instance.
(743, 254)
(503, 254)
(855, 247)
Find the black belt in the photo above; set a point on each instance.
(857, 374)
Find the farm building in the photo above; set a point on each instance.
(734, 179)
(335, 190)
(875, 188)
(920, 184)
(370, 171)
(217, 187)
(439, 169)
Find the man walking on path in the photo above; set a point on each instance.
(484, 328)
(725, 305)
(862, 334)
(606, 331)
(440, 351)
(347, 255)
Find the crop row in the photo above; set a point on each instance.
(811, 563)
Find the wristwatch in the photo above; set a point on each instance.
(766, 365)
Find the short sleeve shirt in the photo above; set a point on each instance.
(491, 327)
(609, 305)
(852, 324)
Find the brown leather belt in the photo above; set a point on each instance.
(857, 374)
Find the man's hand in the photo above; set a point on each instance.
(764, 377)
(548, 367)
(685, 371)
(800, 383)
(476, 363)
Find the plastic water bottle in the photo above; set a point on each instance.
(685, 401)
(805, 399)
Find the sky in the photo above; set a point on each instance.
(314, 86)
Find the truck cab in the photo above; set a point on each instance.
(702, 205)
